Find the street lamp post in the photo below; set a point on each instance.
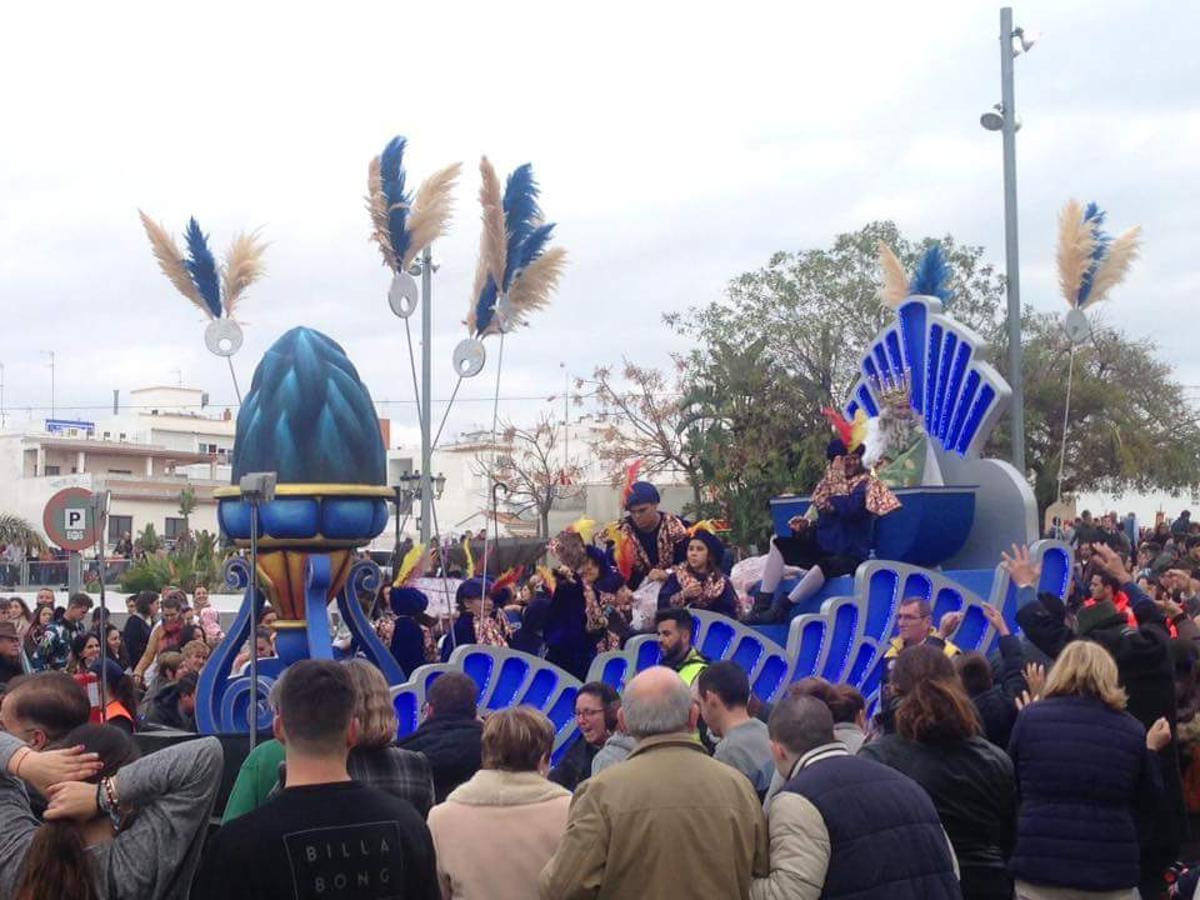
(1007, 124)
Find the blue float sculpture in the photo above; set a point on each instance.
(309, 419)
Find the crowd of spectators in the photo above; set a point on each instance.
(1057, 766)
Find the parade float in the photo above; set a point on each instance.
(923, 385)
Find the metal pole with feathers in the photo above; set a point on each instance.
(404, 226)
(1090, 264)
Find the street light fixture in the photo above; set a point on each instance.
(439, 485)
(1003, 118)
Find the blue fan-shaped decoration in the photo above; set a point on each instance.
(959, 396)
(308, 417)
(933, 275)
(202, 267)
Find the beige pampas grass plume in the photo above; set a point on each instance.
(170, 260)
(493, 244)
(895, 280)
(1121, 254)
(1076, 243)
(535, 284)
(431, 210)
(243, 266)
(378, 208)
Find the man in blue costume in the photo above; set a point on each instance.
(848, 500)
(659, 539)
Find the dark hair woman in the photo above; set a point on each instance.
(699, 582)
(938, 743)
(36, 635)
(85, 650)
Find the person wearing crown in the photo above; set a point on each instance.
(847, 500)
(659, 539)
(699, 581)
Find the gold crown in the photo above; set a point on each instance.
(893, 391)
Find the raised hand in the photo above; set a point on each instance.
(1021, 569)
(949, 624)
(1110, 561)
(1158, 735)
(1026, 699)
(996, 618)
(72, 800)
(1035, 677)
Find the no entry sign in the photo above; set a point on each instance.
(70, 521)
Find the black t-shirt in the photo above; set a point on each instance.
(342, 841)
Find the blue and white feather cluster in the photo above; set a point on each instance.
(404, 223)
(1090, 261)
(517, 272)
(933, 275)
(213, 288)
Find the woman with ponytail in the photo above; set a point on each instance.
(117, 827)
(938, 743)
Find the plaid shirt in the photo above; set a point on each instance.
(402, 773)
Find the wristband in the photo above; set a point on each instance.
(106, 801)
(17, 765)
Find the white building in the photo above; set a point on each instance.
(145, 456)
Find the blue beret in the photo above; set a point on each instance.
(408, 601)
(642, 492)
(472, 588)
(716, 547)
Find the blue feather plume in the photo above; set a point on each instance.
(391, 171)
(203, 267)
(1094, 217)
(932, 276)
(485, 306)
(521, 215)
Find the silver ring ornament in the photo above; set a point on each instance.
(403, 295)
(223, 337)
(469, 357)
(1077, 326)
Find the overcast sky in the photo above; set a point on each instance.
(676, 149)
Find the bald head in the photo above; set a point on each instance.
(657, 702)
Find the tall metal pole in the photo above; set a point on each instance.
(1015, 376)
(426, 394)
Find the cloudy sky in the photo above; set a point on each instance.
(676, 148)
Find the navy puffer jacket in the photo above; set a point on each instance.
(1081, 769)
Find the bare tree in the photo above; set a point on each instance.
(529, 463)
(646, 418)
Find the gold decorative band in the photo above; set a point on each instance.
(317, 490)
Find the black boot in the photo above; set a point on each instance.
(769, 609)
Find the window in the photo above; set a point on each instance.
(174, 528)
(117, 526)
(53, 470)
(120, 471)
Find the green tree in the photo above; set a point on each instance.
(15, 530)
(1131, 426)
(187, 506)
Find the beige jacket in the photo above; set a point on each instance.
(494, 834)
(668, 823)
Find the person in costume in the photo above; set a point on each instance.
(608, 603)
(531, 636)
(412, 641)
(479, 621)
(699, 581)
(659, 539)
(570, 637)
(848, 500)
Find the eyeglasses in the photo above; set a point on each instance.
(584, 713)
